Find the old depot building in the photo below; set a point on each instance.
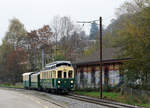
(88, 69)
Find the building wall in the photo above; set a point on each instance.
(114, 77)
(89, 76)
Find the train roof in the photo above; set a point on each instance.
(57, 62)
(28, 73)
(36, 73)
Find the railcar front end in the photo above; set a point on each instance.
(58, 77)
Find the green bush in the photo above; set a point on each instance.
(107, 88)
(87, 89)
(136, 99)
(116, 88)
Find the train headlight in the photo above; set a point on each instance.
(71, 81)
(58, 82)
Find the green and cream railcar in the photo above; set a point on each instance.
(58, 76)
(27, 80)
(35, 81)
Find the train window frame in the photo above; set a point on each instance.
(35, 78)
(58, 74)
(41, 75)
(69, 74)
(46, 75)
(53, 74)
(64, 75)
(50, 74)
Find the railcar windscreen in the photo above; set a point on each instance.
(65, 75)
(70, 74)
(59, 74)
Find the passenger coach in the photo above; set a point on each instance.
(27, 80)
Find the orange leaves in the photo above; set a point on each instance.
(16, 60)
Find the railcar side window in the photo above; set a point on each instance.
(65, 74)
(42, 75)
(70, 74)
(59, 74)
(49, 74)
(54, 74)
(46, 75)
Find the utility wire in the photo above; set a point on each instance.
(83, 22)
(108, 17)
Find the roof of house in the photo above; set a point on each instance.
(108, 55)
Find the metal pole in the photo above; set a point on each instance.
(56, 45)
(100, 43)
(100, 37)
(42, 58)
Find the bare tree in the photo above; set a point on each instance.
(37, 40)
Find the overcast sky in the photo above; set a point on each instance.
(35, 13)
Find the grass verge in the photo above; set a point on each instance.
(12, 86)
(118, 97)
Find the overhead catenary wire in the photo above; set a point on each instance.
(90, 22)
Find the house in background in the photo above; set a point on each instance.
(88, 69)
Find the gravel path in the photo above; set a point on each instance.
(56, 100)
(13, 99)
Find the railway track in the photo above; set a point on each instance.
(101, 101)
(53, 102)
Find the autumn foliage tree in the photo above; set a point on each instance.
(132, 36)
(16, 65)
(21, 50)
(12, 41)
(36, 41)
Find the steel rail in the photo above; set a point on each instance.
(48, 100)
(102, 102)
